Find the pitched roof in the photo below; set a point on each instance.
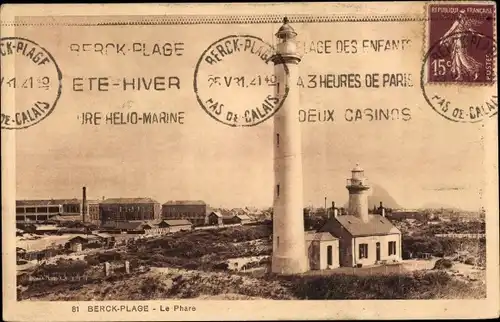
(177, 222)
(85, 237)
(243, 217)
(376, 225)
(154, 222)
(46, 227)
(321, 236)
(217, 213)
(125, 225)
(185, 202)
(128, 201)
(102, 235)
(66, 218)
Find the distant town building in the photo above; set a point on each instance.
(407, 214)
(46, 229)
(150, 227)
(79, 242)
(241, 219)
(129, 227)
(176, 225)
(162, 226)
(215, 218)
(129, 209)
(193, 210)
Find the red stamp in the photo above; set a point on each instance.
(463, 49)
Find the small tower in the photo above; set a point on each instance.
(289, 251)
(358, 193)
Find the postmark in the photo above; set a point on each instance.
(31, 78)
(460, 63)
(248, 61)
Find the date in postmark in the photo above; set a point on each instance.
(31, 78)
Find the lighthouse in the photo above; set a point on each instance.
(289, 255)
(358, 194)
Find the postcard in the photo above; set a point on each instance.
(275, 161)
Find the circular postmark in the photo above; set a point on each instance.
(235, 81)
(458, 77)
(31, 81)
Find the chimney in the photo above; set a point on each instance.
(382, 210)
(334, 210)
(84, 204)
(103, 198)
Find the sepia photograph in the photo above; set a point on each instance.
(176, 161)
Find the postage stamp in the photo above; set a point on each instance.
(466, 33)
(33, 71)
(460, 59)
(275, 161)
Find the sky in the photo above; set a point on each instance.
(427, 159)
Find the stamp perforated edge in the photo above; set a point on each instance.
(427, 45)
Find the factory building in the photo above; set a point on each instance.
(32, 211)
(193, 210)
(43, 210)
(129, 209)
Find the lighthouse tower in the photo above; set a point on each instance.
(289, 252)
(358, 194)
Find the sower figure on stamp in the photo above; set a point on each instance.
(461, 62)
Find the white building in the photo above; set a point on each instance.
(289, 251)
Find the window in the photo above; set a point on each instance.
(53, 209)
(277, 242)
(277, 190)
(41, 209)
(392, 248)
(329, 255)
(363, 251)
(277, 140)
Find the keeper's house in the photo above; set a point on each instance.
(365, 241)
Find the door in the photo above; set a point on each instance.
(378, 252)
